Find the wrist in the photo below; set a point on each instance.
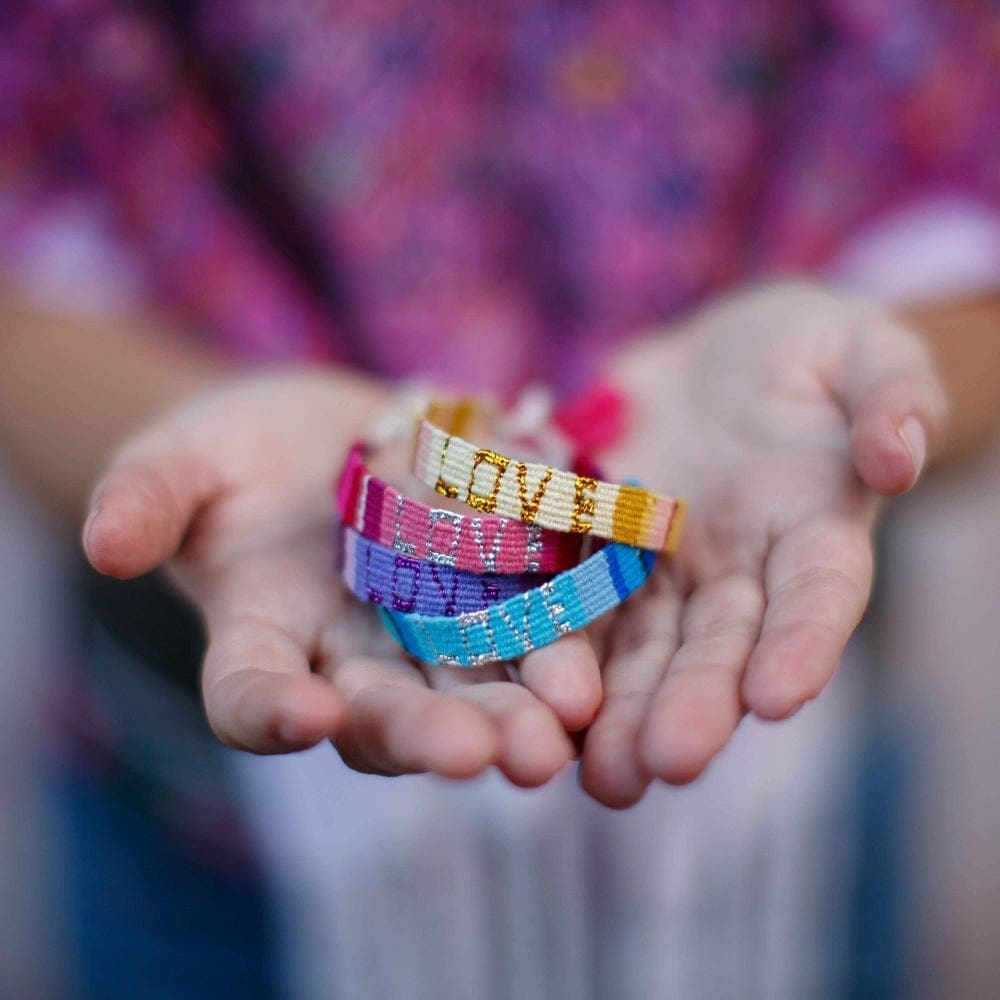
(961, 336)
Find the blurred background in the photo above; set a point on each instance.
(196, 161)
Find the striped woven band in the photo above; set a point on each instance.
(472, 543)
(380, 575)
(535, 618)
(535, 494)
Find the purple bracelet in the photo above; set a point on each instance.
(381, 575)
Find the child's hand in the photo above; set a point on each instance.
(233, 491)
(780, 415)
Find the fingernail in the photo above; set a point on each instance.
(912, 433)
(89, 524)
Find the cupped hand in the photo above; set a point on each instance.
(781, 414)
(232, 490)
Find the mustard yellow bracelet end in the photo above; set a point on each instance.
(676, 526)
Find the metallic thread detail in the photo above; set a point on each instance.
(407, 548)
(534, 547)
(520, 624)
(487, 503)
(445, 489)
(540, 494)
(470, 620)
(582, 504)
(524, 636)
(529, 508)
(490, 559)
(554, 609)
(436, 555)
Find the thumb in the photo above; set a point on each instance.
(144, 504)
(895, 403)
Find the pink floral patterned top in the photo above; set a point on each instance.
(490, 193)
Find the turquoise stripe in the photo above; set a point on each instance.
(564, 588)
(634, 570)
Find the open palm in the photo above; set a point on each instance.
(781, 415)
(232, 491)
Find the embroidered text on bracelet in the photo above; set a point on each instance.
(539, 495)
(476, 544)
(530, 620)
(380, 575)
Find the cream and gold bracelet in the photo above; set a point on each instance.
(537, 494)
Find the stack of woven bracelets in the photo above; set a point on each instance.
(542, 552)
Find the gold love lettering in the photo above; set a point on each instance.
(529, 507)
(487, 503)
(582, 504)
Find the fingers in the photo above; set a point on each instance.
(464, 722)
(143, 505)
(259, 693)
(698, 706)
(532, 745)
(817, 579)
(896, 405)
(398, 725)
(454, 722)
(644, 639)
(264, 614)
(567, 677)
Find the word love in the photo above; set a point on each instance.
(379, 575)
(405, 584)
(492, 483)
(529, 500)
(476, 544)
(527, 621)
(519, 625)
(535, 494)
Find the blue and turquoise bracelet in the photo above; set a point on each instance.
(527, 621)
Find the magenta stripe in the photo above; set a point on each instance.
(374, 496)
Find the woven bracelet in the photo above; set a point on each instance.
(380, 575)
(535, 494)
(475, 544)
(527, 621)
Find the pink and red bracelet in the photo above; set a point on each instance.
(475, 544)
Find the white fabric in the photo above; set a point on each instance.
(943, 638)
(415, 887)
